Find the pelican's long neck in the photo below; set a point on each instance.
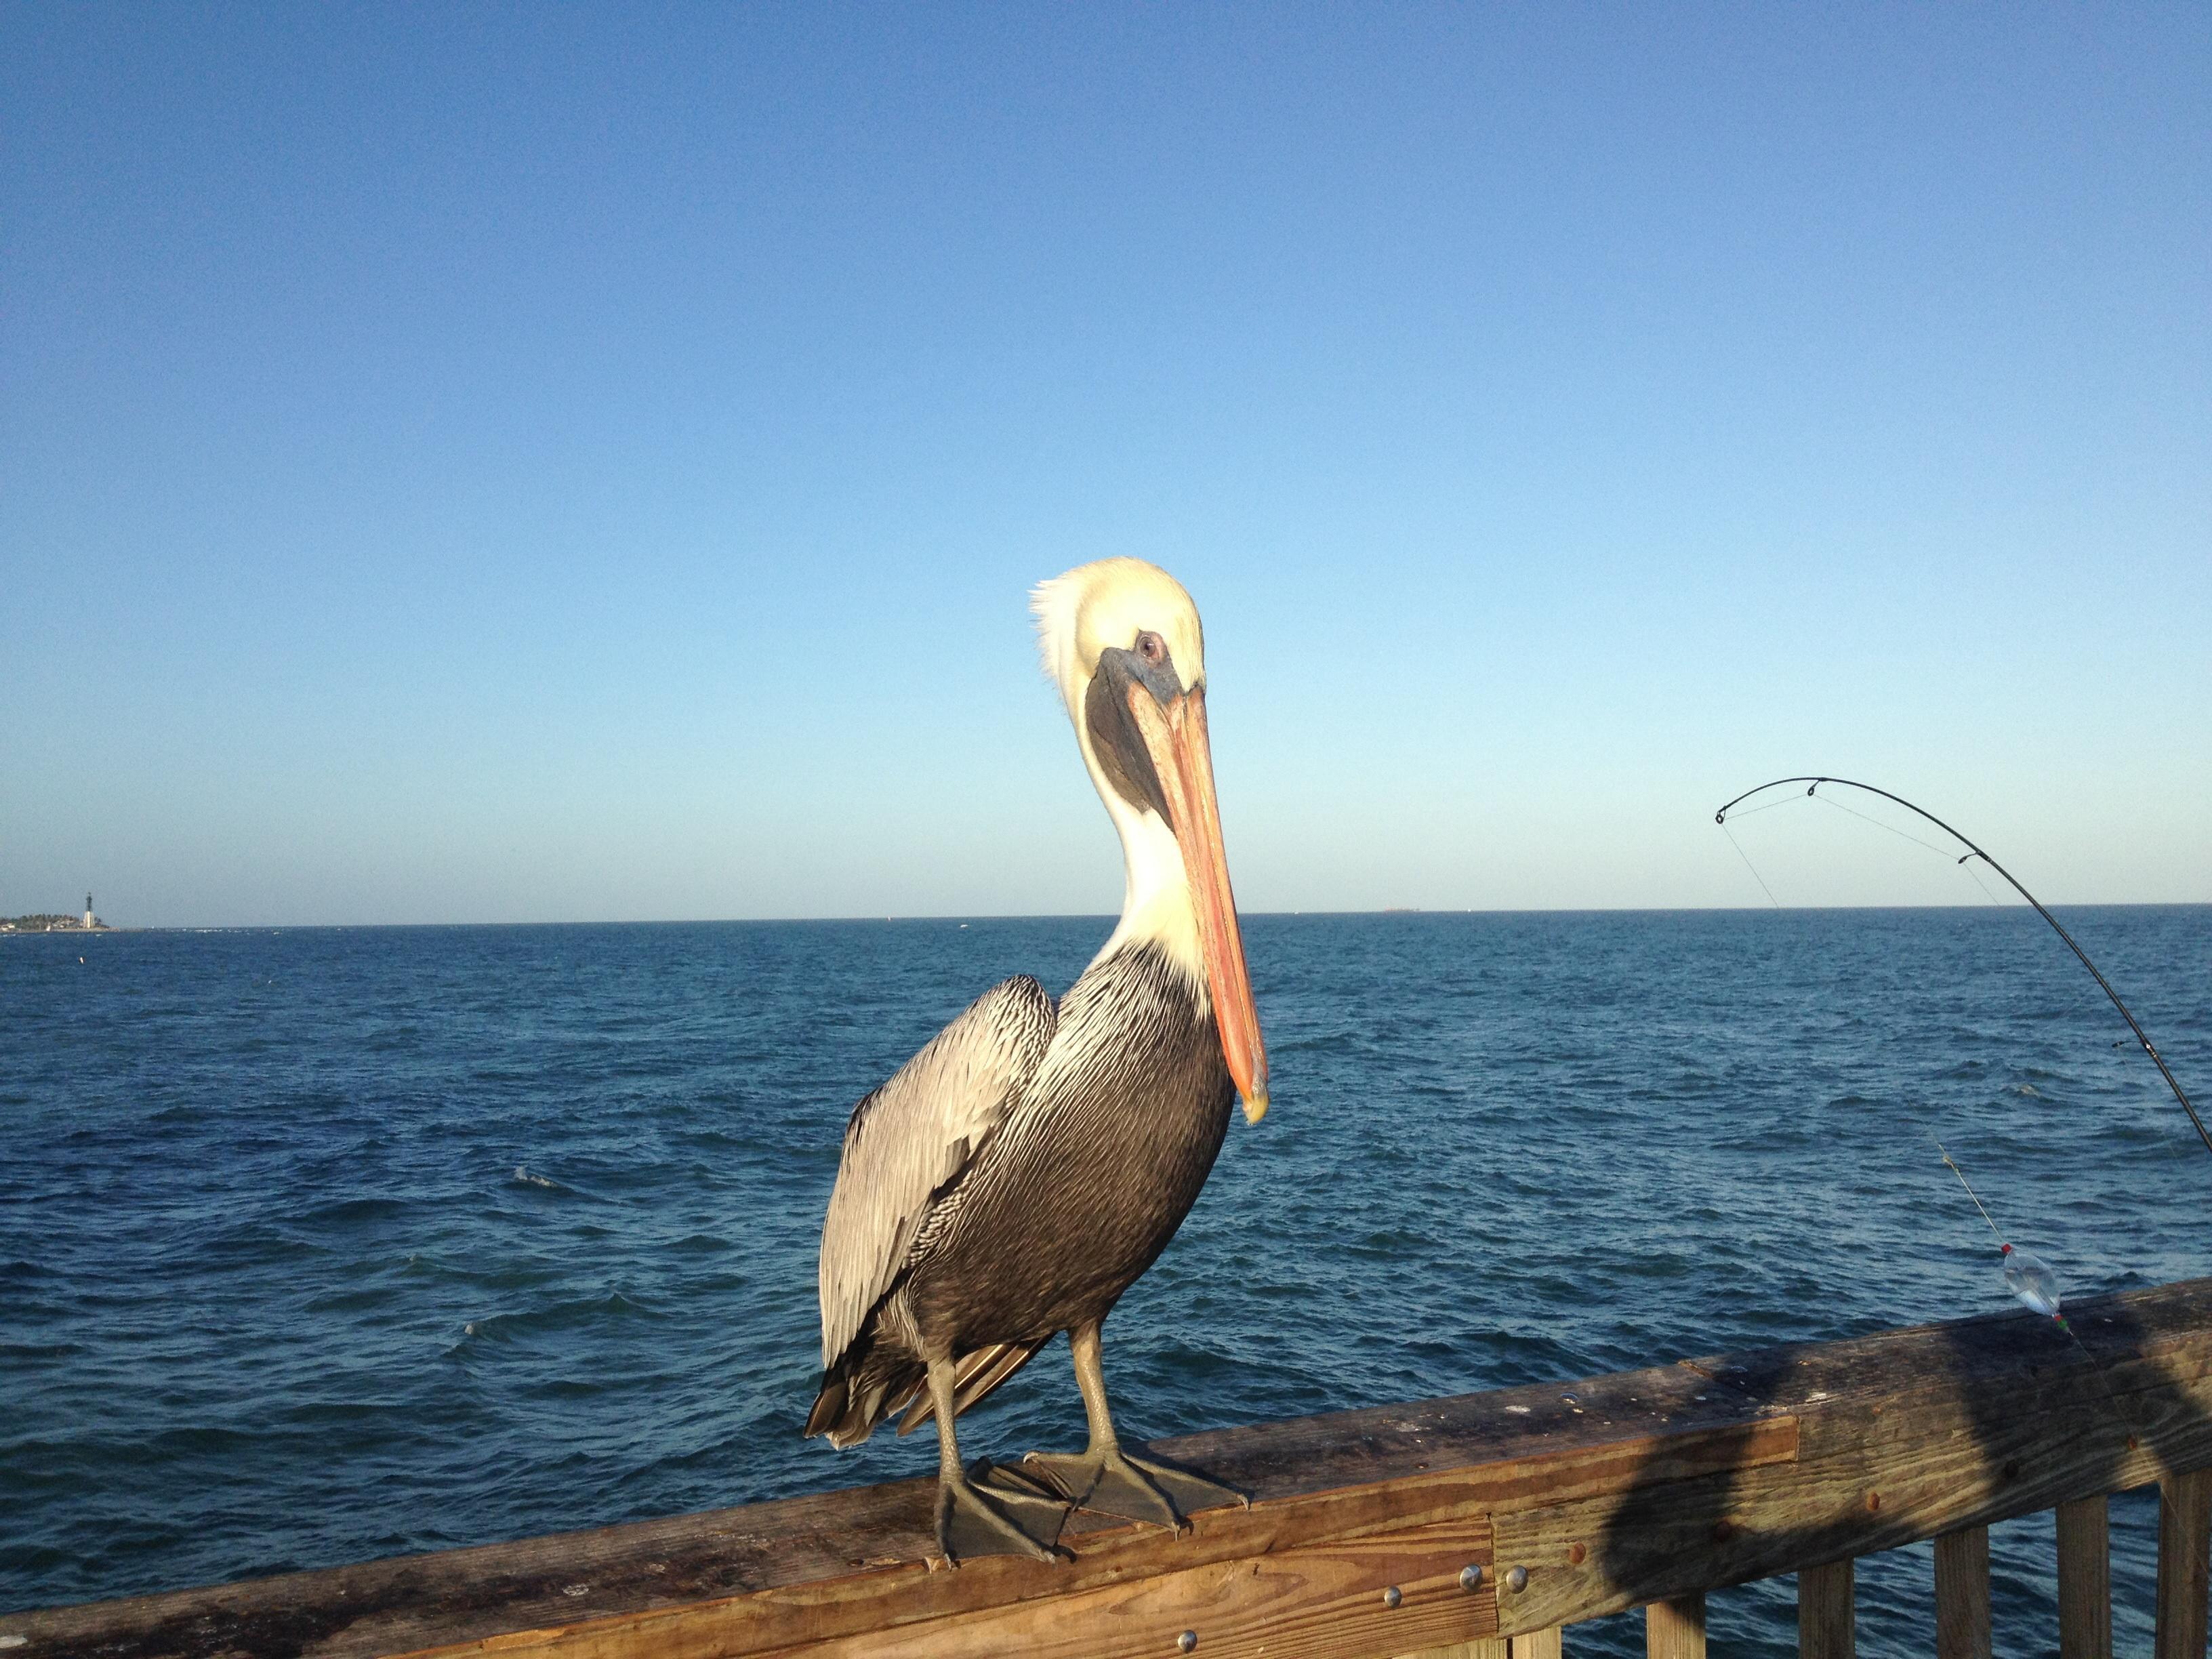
(1114, 603)
(1156, 906)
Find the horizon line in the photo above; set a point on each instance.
(969, 917)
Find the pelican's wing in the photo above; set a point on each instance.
(914, 1134)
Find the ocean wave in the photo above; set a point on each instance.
(526, 1176)
(558, 1318)
(355, 1209)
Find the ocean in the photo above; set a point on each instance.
(321, 1244)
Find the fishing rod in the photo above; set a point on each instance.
(1975, 852)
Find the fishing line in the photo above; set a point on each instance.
(1973, 851)
(1953, 1167)
(2030, 1279)
(1748, 865)
(1864, 818)
(1769, 807)
(1995, 900)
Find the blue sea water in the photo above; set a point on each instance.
(323, 1244)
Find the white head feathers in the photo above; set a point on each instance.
(1110, 603)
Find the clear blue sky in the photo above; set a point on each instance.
(531, 462)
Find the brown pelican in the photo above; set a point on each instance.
(1021, 1172)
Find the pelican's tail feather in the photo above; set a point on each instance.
(868, 1384)
(974, 1377)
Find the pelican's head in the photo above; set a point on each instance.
(1122, 639)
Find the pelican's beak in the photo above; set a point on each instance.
(1174, 736)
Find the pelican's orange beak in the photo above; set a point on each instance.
(1175, 735)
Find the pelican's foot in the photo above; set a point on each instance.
(989, 1510)
(1112, 1481)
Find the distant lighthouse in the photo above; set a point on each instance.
(87, 913)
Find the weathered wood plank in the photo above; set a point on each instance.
(1536, 1645)
(2167, 1324)
(1676, 1629)
(1934, 1467)
(1827, 1611)
(1389, 1511)
(2184, 1564)
(2085, 1579)
(519, 1595)
(1331, 1602)
(1962, 1594)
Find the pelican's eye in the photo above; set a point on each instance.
(1152, 648)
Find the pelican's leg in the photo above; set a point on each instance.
(1112, 1481)
(1006, 1519)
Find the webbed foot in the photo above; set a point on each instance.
(1112, 1481)
(985, 1510)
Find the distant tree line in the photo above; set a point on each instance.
(42, 924)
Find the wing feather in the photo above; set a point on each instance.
(913, 1136)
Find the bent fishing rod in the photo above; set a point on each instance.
(1975, 852)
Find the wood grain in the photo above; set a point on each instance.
(2085, 1579)
(2184, 1554)
(1962, 1594)
(1328, 1603)
(1827, 1612)
(1676, 1629)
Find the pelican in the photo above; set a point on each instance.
(1019, 1174)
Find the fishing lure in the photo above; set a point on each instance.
(1974, 852)
(2026, 1275)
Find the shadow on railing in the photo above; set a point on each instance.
(1934, 1437)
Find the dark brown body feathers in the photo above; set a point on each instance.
(1058, 1210)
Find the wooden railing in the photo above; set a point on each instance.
(1475, 1528)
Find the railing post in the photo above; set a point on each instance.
(2185, 1530)
(1676, 1629)
(1827, 1612)
(2085, 1580)
(1537, 1644)
(1962, 1594)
